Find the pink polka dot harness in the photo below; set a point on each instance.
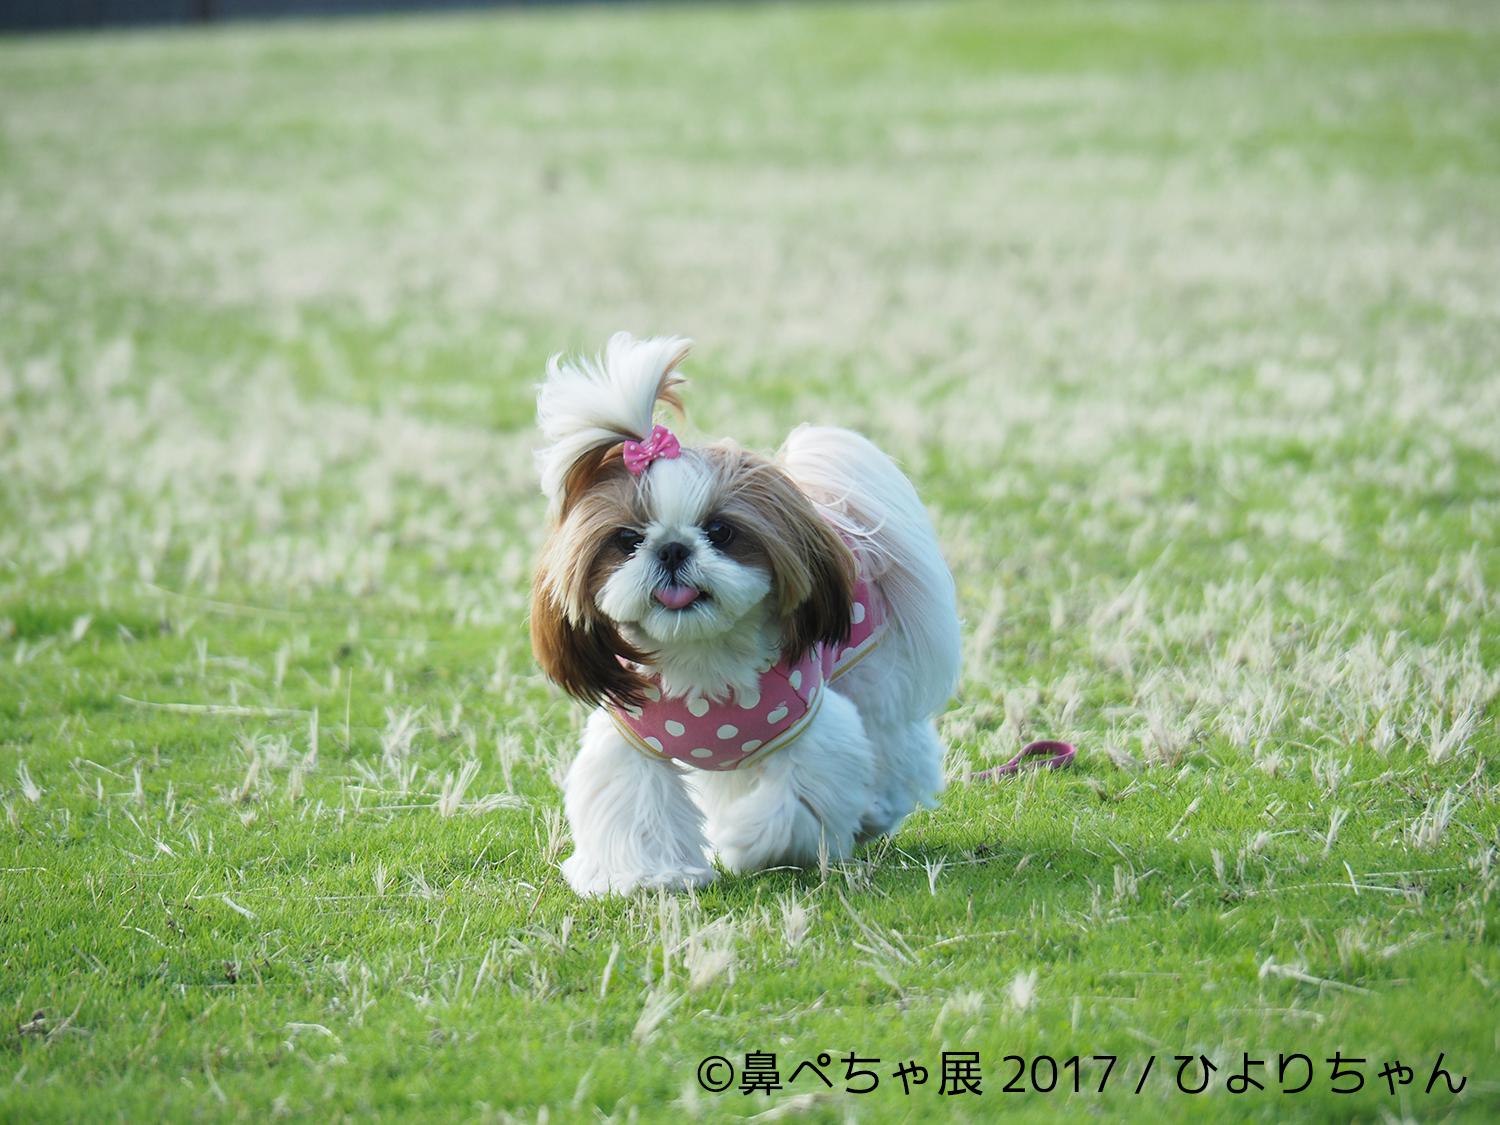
(744, 728)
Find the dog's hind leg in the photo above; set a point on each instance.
(908, 773)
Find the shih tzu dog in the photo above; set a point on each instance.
(767, 640)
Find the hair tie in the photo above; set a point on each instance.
(661, 444)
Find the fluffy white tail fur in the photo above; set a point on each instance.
(872, 504)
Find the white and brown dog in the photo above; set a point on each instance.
(786, 628)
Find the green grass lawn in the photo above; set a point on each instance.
(1184, 318)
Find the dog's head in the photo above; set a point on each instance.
(653, 547)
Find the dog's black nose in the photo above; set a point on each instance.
(673, 555)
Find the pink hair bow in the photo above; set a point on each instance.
(661, 444)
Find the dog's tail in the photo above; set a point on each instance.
(588, 406)
(860, 491)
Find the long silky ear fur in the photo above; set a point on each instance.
(824, 616)
(583, 473)
(576, 645)
(813, 570)
(583, 659)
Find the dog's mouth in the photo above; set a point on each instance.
(679, 597)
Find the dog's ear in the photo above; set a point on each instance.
(576, 645)
(824, 614)
(582, 474)
(583, 658)
(813, 571)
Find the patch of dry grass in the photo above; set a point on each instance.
(1181, 316)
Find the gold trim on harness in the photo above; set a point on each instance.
(872, 642)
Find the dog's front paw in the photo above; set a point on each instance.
(585, 878)
(590, 879)
(683, 880)
(758, 834)
(741, 856)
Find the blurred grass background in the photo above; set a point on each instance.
(1183, 318)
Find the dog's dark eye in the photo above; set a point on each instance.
(719, 533)
(628, 540)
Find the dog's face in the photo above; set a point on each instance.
(688, 558)
(694, 549)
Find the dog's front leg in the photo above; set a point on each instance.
(633, 822)
(802, 803)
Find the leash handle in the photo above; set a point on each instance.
(1049, 754)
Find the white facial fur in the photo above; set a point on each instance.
(724, 636)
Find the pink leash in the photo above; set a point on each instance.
(1046, 755)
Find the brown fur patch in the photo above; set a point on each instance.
(584, 660)
(813, 572)
(576, 645)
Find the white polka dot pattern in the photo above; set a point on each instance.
(758, 720)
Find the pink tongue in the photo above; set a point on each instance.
(675, 597)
